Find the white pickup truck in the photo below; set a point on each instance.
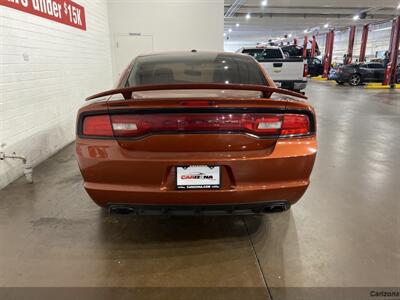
(288, 73)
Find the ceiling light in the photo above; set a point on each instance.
(224, 33)
(305, 31)
(237, 24)
(290, 35)
(326, 25)
(356, 17)
(398, 6)
(264, 3)
(230, 29)
(248, 16)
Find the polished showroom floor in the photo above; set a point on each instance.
(343, 233)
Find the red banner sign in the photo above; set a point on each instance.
(62, 11)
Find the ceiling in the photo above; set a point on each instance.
(283, 17)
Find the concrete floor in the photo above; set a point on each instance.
(343, 233)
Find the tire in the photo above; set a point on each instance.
(339, 82)
(355, 80)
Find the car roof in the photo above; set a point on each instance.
(189, 53)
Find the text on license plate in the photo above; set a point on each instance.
(198, 177)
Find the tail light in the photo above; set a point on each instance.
(99, 125)
(305, 70)
(126, 126)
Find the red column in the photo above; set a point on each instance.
(330, 37)
(314, 43)
(350, 47)
(391, 68)
(364, 40)
(305, 47)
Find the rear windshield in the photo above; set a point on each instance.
(195, 68)
(262, 54)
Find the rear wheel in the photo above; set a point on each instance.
(355, 80)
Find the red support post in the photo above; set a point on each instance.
(330, 37)
(314, 44)
(364, 40)
(305, 47)
(391, 68)
(352, 35)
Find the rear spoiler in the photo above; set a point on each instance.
(266, 90)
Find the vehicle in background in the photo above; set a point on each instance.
(297, 51)
(292, 51)
(288, 73)
(356, 74)
(315, 67)
(196, 133)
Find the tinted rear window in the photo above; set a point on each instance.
(195, 68)
(262, 54)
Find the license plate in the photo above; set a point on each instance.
(198, 177)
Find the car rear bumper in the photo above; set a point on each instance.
(188, 210)
(108, 194)
(113, 177)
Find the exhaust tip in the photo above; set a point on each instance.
(121, 210)
(276, 208)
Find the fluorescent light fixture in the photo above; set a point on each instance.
(224, 33)
(264, 3)
(305, 31)
(326, 25)
(230, 29)
(237, 24)
(248, 16)
(398, 6)
(290, 35)
(356, 17)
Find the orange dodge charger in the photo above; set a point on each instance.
(196, 133)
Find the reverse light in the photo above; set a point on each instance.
(124, 126)
(266, 125)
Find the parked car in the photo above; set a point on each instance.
(315, 67)
(292, 50)
(288, 73)
(297, 51)
(196, 133)
(356, 74)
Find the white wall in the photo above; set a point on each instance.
(172, 24)
(378, 40)
(39, 97)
